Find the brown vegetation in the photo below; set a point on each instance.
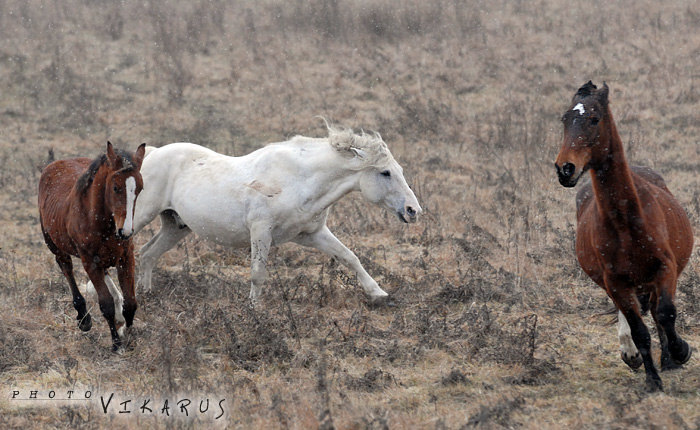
(495, 325)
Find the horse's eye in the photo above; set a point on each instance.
(386, 173)
(116, 189)
(594, 121)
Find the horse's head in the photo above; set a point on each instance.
(386, 186)
(382, 183)
(122, 186)
(381, 177)
(583, 122)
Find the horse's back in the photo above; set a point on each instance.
(59, 177)
(55, 185)
(648, 174)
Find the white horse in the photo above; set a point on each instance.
(279, 193)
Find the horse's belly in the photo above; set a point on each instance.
(230, 234)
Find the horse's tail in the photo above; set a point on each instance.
(610, 312)
(50, 158)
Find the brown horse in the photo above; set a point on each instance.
(86, 209)
(633, 238)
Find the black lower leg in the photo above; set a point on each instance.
(107, 308)
(129, 310)
(84, 319)
(642, 340)
(678, 348)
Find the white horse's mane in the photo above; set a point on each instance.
(374, 151)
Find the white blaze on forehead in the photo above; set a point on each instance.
(580, 109)
(130, 199)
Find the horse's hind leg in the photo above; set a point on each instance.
(104, 297)
(172, 230)
(119, 305)
(66, 264)
(622, 294)
(118, 301)
(676, 347)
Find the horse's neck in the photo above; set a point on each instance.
(92, 203)
(333, 181)
(613, 185)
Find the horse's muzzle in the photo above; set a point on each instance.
(566, 174)
(121, 235)
(408, 215)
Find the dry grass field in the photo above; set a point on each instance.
(494, 323)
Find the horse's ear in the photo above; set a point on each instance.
(112, 157)
(586, 90)
(603, 94)
(138, 155)
(359, 153)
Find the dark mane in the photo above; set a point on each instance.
(85, 180)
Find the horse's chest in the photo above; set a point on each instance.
(103, 251)
(627, 256)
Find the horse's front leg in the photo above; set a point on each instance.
(628, 351)
(125, 273)
(260, 241)
(326, 242)
(675, 351)
(66, 264)
(104, 297)
(622, 294)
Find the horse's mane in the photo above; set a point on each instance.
(85, 180)
(345, 140)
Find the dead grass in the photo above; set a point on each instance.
(494, 326)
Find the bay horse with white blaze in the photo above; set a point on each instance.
(633, 238)
(86, 210)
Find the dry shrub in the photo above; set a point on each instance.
(498, 413)
(17, 350)
(373, 380)
(250, 337)
(477, 334)
(455, 377)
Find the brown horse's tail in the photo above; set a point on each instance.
(49, 159)
(644, 305)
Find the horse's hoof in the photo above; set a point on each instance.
(669, 364)
(382, 302)
(118, 348)
(654, 385)
(85, 324)
(686, 353)
(633, 361)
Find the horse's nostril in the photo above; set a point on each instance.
(410, 211)
(568, 169)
